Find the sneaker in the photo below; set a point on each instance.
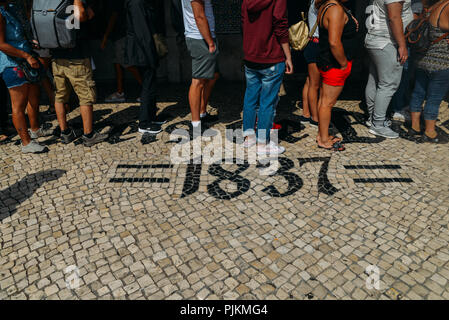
(249, 141)
(139, 100)
(153, 128)
(383, 131)
(402, 115)
(116, 97)
(208, 118)
(369, 122)
(160, 120)
(34, 147)
(96, 138)
(313, 123)
(276, 126)
(206, 131)
(304, 120)
(67, 138)
(270, 148)
(41, 132)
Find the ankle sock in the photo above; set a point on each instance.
(202, 115)
(196, 124)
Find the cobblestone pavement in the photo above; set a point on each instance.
(135, 226)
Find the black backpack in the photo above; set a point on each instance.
(417, 33)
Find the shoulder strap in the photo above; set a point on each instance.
(324, 12)
(315, 26)
(441, 12)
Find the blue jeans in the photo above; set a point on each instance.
(432, 87)
(261, 97)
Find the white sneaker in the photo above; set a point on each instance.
(271, 148)
(116, 97)
(402, 115)
(249, 141)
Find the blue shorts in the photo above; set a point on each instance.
(14, 77)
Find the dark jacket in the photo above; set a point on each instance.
(265, 28)
(140, 47)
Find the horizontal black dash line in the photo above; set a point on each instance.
(372, 167)
(383, 180)
(151, 180)
(144, 166)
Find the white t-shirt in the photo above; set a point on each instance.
(191, 29)
(379, 33)
(313, 16)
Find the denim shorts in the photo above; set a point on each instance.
(14, 77)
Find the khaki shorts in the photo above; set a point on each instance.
(79, 74)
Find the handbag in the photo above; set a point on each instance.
(299, 34)
(31, 74)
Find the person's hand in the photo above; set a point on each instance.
(103, 43)
(35, 44)
(344, 67)
(212, 47)
(33, 62)
(289, 66)
(402, 54)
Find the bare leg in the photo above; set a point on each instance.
(33, 106)
(119, 77)
(87, 116)
(207, 92)
(135, 72)
(61, 115)
(314, 87)
(195, 97)
(305, 100)
(19, 100)
(430, 128)
(46, 84)
(416, 121)
(328, 99)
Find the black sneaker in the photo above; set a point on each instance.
(313, 123)
(152, 128)
(208, 118)
(96, 138)
(206, 131)
(160, 120)
(67, 138)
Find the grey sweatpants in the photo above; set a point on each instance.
(384, 79)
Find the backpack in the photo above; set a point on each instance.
(417, 33)
(48, 21)
(299, 34)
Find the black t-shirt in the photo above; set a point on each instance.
(119, 31)
(82, 49)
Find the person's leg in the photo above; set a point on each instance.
(33, 106)
(328, 98)
(119, 77)
(371, 87)
(436, 91)
(251, 101)
(209, 86)
(62, 91)
(45, 82)
(271, 83)
(19, 100)
(389, 72)
(314, 87)
(399, 99)
(135, 72)
(195, 97)
(418, 97)
(148, 109)
(305, 99)
(3, 104)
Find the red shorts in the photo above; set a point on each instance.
(336, 77)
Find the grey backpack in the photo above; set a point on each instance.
(50, 26)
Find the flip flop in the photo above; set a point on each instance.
(337, 147)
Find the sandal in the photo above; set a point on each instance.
(426, 138)
(412, 133)
(334, 139)
(337, 146)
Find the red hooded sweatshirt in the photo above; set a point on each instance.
(265, 27)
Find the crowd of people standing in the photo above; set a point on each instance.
(399, 77)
